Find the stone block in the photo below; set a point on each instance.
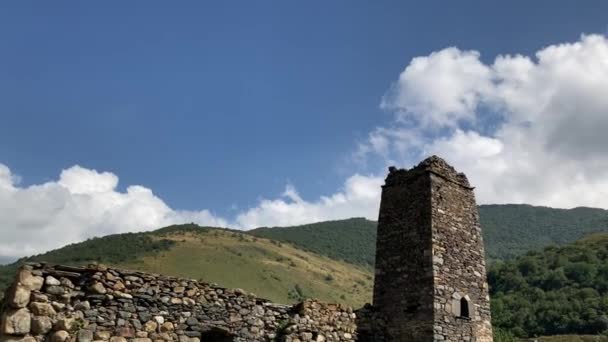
(16, 322)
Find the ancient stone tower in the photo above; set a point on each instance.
(430, 271)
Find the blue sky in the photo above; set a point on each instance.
(216, 106)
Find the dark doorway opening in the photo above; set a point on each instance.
(217, 335)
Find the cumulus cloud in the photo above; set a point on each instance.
(446, 86)
(81, 204)
(358, 198)
(545, 140)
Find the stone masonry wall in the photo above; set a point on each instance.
(68, 304)
(403, 277)
(458, 261)
(430, 270)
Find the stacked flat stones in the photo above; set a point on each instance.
(69, 304)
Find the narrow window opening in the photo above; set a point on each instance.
(464, 308)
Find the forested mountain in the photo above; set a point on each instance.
(352, 240)
(508, 230)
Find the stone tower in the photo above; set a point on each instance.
(430, 271)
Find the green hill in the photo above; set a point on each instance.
(509, 230)
(273, 270)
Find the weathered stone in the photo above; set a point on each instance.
(83, 306)
(9, 338)
(55, 290)
(42, 309)
(16, 322)
(66, 323)
(85, 335)
(166, 327)
(41, 325)
(118, 339)
(39, 297)
(188, 301)
(103, 335)
(19, 297)
(119, 294)
(150, 326)
(52, 281)
(140, 339)
(192, 321)
(60, 336)
(97, 288)
(125, 332)
(119, 286)
(58, 306)
(66, 283)
(144, 316)
(30, 281)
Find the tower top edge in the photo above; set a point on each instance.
(432, 164)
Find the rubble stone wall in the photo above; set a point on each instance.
(430, 269)
(403, 274)
(69, 304)
(458, 263)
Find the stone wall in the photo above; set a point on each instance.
(430, 270)
(403, 277)
(68, 304)
(458, 261)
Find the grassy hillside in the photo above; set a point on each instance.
(270, 269)
(509, 231)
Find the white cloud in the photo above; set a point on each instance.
(545, 141)
(82, 203)
(441, 89)
(358, 198)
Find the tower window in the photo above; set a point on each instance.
(464, 308)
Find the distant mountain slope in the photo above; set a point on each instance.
(352, 240)
(271, 269)
(513, 229)
(509, 230)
